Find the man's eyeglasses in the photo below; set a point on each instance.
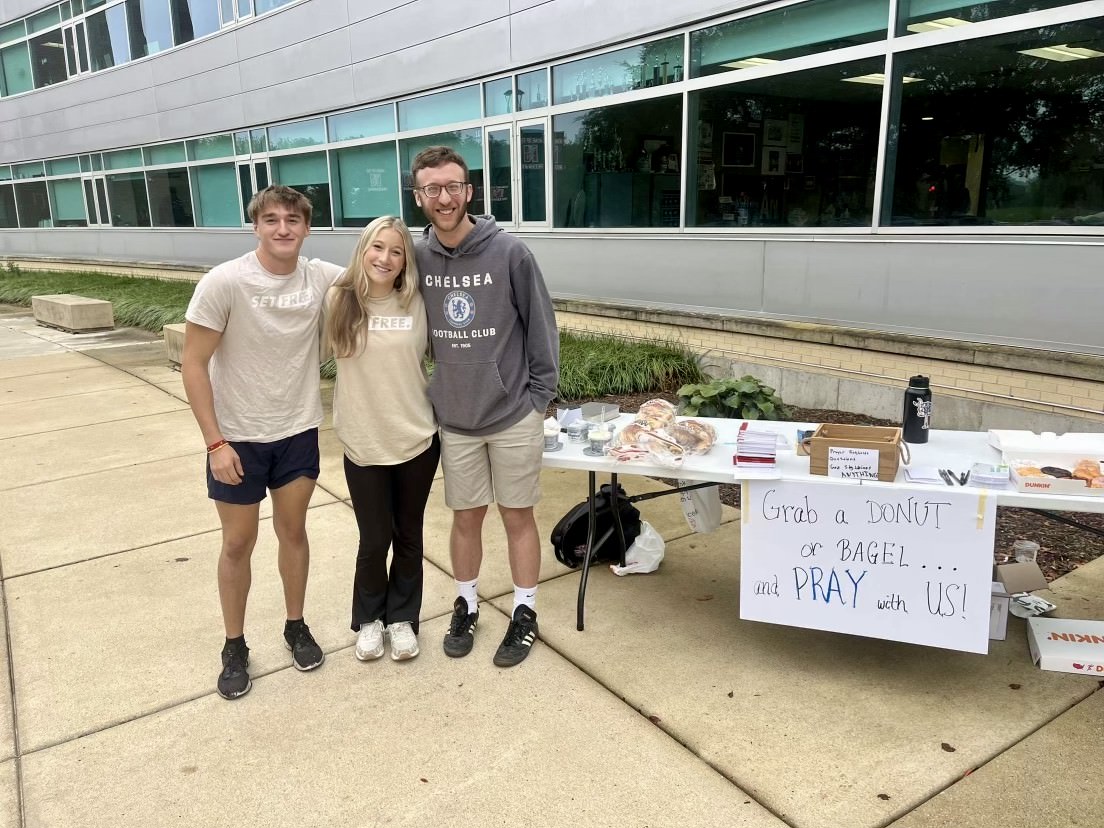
(453, 188)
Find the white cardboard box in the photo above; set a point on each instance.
(1067, 645)
(998, 612)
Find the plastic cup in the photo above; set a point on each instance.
(577, 432)
(1025, 551)
(599, 438)
(551, 439)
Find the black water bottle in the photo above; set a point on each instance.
(918, 406)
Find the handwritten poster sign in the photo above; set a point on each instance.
(852, 462)
(910, 564)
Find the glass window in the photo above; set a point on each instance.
(440, 108)
(32, 169)
(107, 38)
(533, 207)
(800, 29)
(150, 27)
(43, 20)
(245, 8)
(68, 197)
(618, 166)
(85, 164)
(650, 64)
(164, 154)
(297, 135)
(498, 97)
(241, 143)
(933, 15)
(532, 90)
(1001, 130)
(48, 59)
(97, 161)
(5, 173)
(121, 159)
(258, 140)
(193, 19)
(794, 150)
(367, 184)
(170, 198)
(7, 206)
(16, 61)
(214, 146)
(500, 175)
(13, 31)
(216, 196)
(467, 142)
(268, 5)
(61, 166)
(127, 194)
(309, 175)
(363, 123)
(33, 204)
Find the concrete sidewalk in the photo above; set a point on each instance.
(667, 711)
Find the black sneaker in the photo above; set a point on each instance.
(305, 651)
(519, 639)
(461, 632)
(234, 680)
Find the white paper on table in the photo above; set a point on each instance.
(923, 474)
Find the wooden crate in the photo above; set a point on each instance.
(886, 441)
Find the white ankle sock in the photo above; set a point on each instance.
(526, 596)
(466, 590)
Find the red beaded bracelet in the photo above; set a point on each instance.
(215, 446)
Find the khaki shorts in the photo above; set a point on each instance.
(502, 468)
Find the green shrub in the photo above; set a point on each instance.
(746, 398)
(594, 366)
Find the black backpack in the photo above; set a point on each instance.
(570, 535)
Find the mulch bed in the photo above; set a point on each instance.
(1062, 548)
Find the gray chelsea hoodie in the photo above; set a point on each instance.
(492, 328)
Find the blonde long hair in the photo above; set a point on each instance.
(349, 310)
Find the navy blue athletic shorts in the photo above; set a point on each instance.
(268, 466)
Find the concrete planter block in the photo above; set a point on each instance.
(75, 314)
(174, 343)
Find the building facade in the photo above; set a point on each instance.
(901, 176)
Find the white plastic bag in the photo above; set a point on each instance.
(645, 553)
(702, 507)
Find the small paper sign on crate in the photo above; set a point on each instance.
(860, 452)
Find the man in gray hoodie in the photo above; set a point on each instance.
(496, 350)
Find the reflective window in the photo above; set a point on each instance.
(170, 198)
(468, 143)
(801, 29)
(1001, 130)
(309, 174)
(258, 140)
(44, 20)
(150, 27)
(33, 204)
(32, 169)
(918, 16)
(533, 206)
(532, 90)
(61, 166)
(48, 59)
(164, 154)
(16, 62)
(440, 108)
(618, 166)
(500, 175)
(193, 19)
(68, 197)
(498, 97)
(297, 135)
(108, 42)
(795, 150)
(363, 123)
(7, 206)
(214, 146)
(647, 65)
(215, 190)
(268, 5)
(13, 31)
(5, 173)
(127, 194)
(121, 159)
(366, 180)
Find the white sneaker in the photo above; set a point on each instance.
(404, 643)
(369, 644)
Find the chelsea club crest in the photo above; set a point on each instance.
(459, 308)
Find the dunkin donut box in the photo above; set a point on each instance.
(1026, 448)
(1067, 646)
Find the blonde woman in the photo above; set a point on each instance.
(376, 329)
